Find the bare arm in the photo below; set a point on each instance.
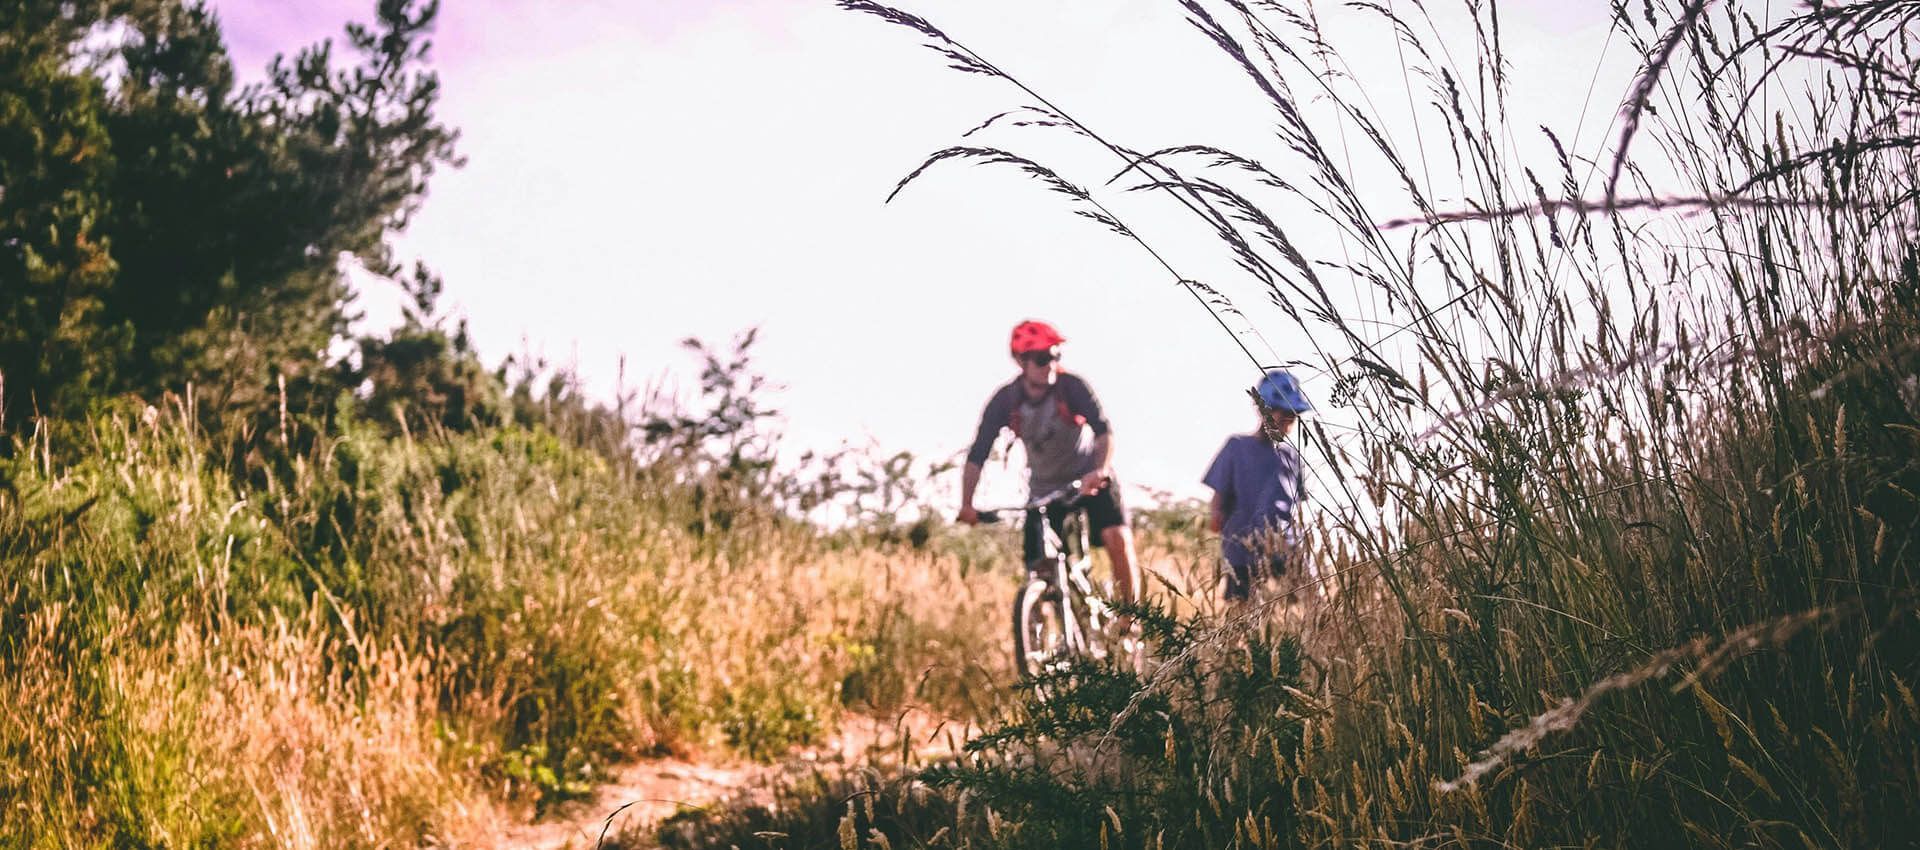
(969, 482)
(1103, 465)
(991, 421)
(1217, 512)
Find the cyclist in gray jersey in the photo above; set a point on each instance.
(1066, 436)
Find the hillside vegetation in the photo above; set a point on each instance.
(1621, 551)
(266, 582)
(361, 636)
(1617, 550)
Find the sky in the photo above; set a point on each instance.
(639, 173)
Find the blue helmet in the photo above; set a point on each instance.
(1279, 390)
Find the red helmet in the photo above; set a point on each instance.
(1034, 336)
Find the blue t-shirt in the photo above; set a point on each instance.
(1262, 485)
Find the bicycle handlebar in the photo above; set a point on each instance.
(1067, 496)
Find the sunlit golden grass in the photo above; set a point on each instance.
(1620, 551)
(409, 638)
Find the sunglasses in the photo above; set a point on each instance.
(1039, 358)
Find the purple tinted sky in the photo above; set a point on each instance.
(467, 29)
(641, 172)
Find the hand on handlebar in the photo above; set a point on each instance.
(1093, 482)
(1065, 497)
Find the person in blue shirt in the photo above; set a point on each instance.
(1259, 483)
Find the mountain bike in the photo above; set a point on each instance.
(1059, 613)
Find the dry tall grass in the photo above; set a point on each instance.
(379, 640)
(1620, 549)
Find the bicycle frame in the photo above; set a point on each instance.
(1066, 563)
(1061, 575)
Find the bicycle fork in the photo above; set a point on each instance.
(1073, 591)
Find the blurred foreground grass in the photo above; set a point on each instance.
(1616, 469)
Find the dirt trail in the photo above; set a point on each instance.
(649, 791)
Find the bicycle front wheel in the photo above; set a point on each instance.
(1039, 628)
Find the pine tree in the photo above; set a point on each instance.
(165, 227)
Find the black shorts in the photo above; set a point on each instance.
(1104, 510)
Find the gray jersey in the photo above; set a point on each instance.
(1058, 430)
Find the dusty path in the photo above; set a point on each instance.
(649, 791)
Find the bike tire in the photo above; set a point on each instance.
(1039, 628)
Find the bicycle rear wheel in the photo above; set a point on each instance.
(1039, 628)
